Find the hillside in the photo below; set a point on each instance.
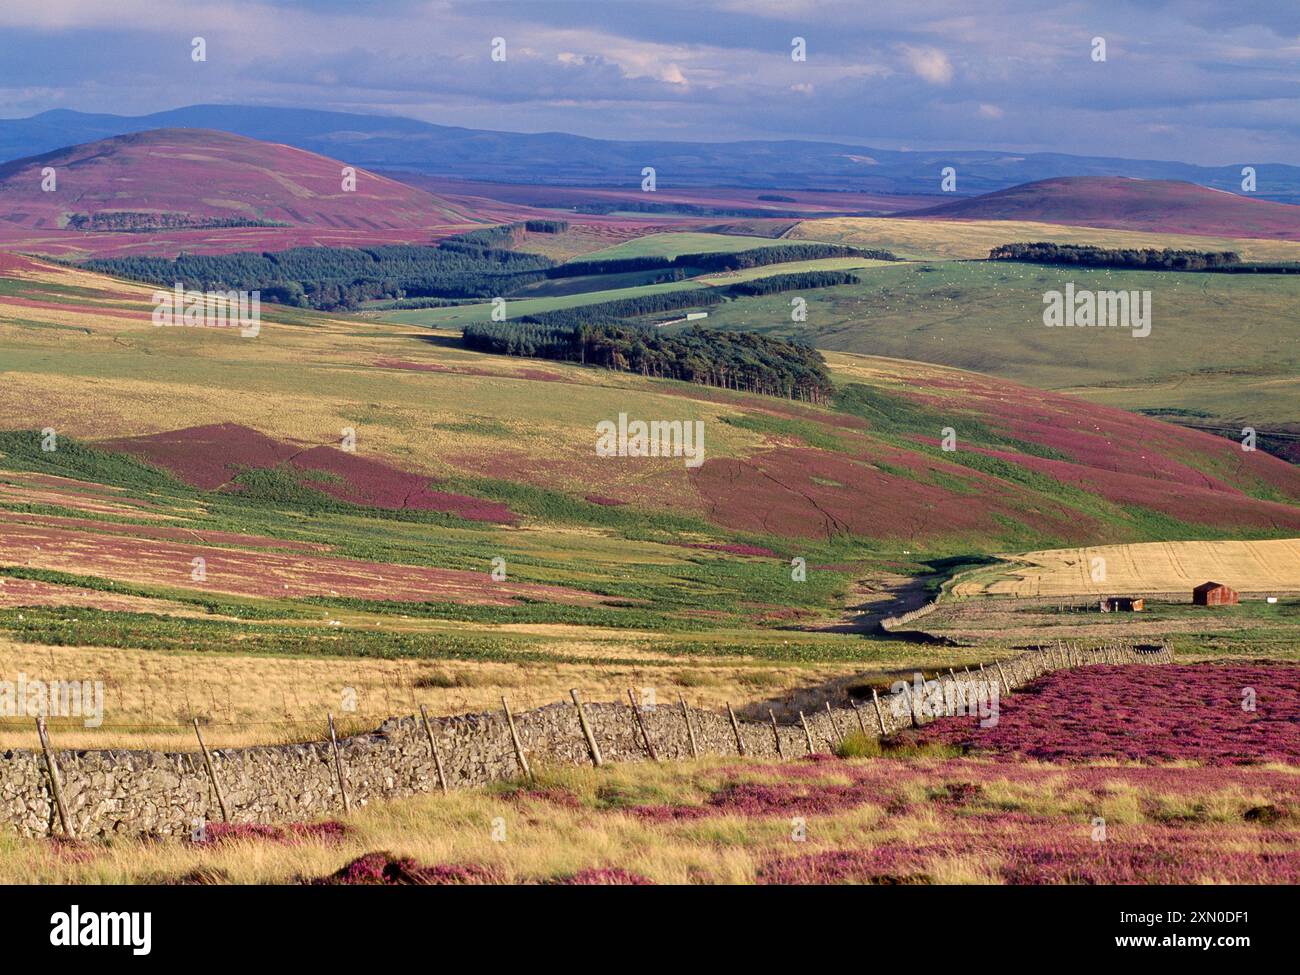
(1166, 206)
(1033, 468)
(203, 190)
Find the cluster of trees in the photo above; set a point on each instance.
(140, 221)
(506, 236)
(714, 261)
(620, 308)
(777, 283)
(1168, 259)
(732, 360)
(334, 278)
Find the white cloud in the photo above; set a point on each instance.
(929, 63)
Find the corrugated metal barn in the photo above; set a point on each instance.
(1214, 594)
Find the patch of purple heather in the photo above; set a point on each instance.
(1153, 856)
(1145, 714)
(384, 869)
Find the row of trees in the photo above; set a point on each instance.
(800, 280)
(1168, 259)
(143, 221)
(732, 360)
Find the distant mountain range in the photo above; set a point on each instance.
(553, 158)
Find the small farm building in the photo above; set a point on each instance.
(1122, 604)
(1214, 594)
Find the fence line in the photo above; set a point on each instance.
(116, 792)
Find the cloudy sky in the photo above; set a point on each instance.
(1203, 80)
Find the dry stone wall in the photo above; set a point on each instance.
(110, 793)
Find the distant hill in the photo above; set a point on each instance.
(556, 158)
(1122, 203)
(168, 178)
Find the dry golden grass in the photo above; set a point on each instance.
(151, 696)
(1150, 567)
(966, 239)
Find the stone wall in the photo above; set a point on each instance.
(132, 792)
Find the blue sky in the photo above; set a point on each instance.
(1210, 82)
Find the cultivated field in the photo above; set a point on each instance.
(1165, 568)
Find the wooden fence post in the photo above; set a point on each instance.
(911, 704)
(514, 737)
(338, 765)
(875, 699)
(857, 711)
(807, 735)
(212, 774)
(433, 748)
(640, 722)
(52, 768)
(735, 726)
(1005, 685)
(690, 730)
(834, 726)
(592, 747)
(776, 734)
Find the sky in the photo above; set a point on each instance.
(1205, 81)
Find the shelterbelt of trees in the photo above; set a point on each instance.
(1149, 259)
(139, 222)
(732, 360)
(715, 261)
(1169, 259)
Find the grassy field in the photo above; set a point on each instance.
(679, 242)
(1223, 349)
(592, 289)
(458, 316)
(967, 239)
(1160, 567)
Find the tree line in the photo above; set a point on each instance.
(1169, 259)
(797, 281)
(143, 221)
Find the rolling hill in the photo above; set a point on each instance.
(1120, 203)
(207, 175)
(1034, 468)
(204, 190)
